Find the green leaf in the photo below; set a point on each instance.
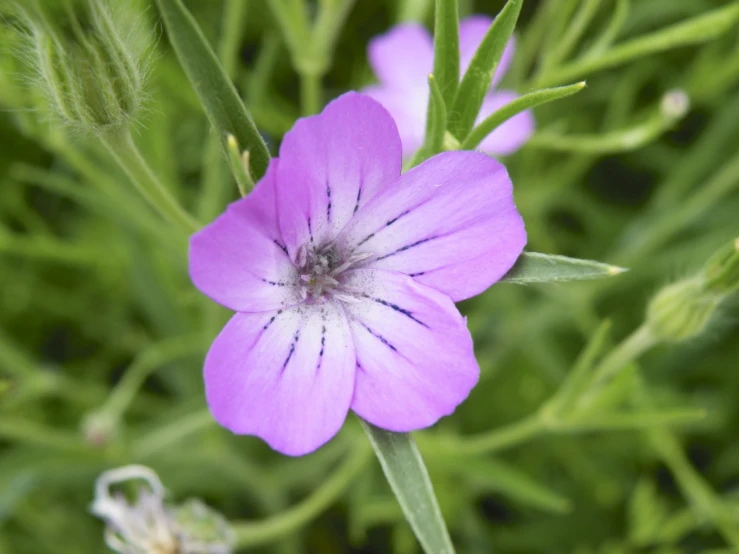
(217, 94)
(694, 31)
(577, 379)
(533, 267)
(498, 476)
(446, 48)
(435, 126)
(476, 81)
(404, 469)
(673, 106)
(520, 104)
(642, 419)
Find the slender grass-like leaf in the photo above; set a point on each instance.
(520, 104)
(498, 476)
(405, 471)
(435, 125)
(217, 94)
(479, 75)
(533, 267)
(446, 48)
(696, 30)
(621, 140)
(642, 419)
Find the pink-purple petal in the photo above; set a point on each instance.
(408, 108)
(450, 223)
(285, 376)
(511, 135)
(415, 362)
(403, 56)
(472, 30)
(331, 165)
(239, 260)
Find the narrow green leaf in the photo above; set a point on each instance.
(637, 420)
(569, 40)
(610, 33)
(219, 98)
(435, 126)
(477, 78)
(409, 480)
(520, 104)
(694, 31)
(673, 107)
(567, 394)
(533, 267)
(446, 48)
(498, 476)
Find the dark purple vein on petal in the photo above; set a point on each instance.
(398, 309)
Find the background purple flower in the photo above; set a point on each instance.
(402, 59)
(344, 273)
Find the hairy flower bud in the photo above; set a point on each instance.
(682, 310)
(91, 62)
(722, 270)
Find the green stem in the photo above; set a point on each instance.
(310, 92)
(128, 157)
(569, 40)
(143, 365)
(502, 438)
(694, 31)
(171, 433)
(29, 432)
(251, 534)
(697, 491)
(629, 350)
(622, 140)
(214, 191)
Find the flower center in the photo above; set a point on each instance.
(320, 269)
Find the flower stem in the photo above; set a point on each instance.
(250, 534)
(534, 425)
(502, 438)
(629, 350)
(310, 93)
(165, 436)
(150, 359)
(126, 154)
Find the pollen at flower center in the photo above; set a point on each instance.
(320, 269)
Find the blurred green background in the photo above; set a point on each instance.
(102, 336)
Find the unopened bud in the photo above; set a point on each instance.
(99, 428)
(681, 311)
(451, 142)
(675, 104)
(91, 63)
(721, 273)
(239, 163)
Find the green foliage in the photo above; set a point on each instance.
(588, 432)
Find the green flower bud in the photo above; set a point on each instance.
(722, 270)
(91, 61)
(683, 310)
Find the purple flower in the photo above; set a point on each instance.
(402, 59)
(344, 274)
